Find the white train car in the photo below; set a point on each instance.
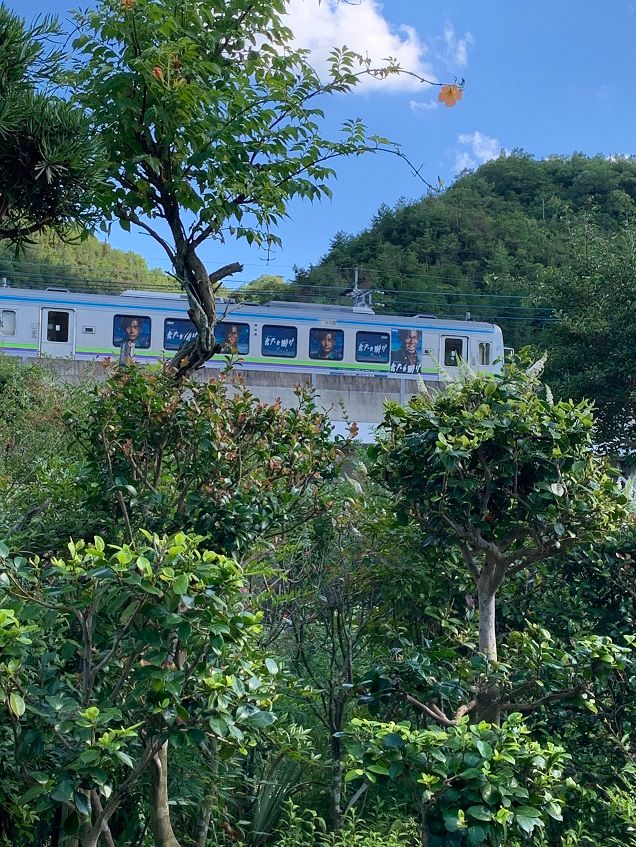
(305, 338)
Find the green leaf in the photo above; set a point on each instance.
(180, 585)
(125, 758)
(481, 813)
(63, 792)
(453, 820)
(261, 719)
(484, 748)
(81, 804)
(475, 836)
(271, 666)
(528, 818)
(396, 769)
(378, 768)
(218, 726)
(92, 754)
(528, 812)
(31, 794)
(17, 704)
(393, 741)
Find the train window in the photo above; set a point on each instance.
(131, 330)
(484, 353)
(453, 350)
(235, 338)
(372, 347)
(57, 327)
(177, 331)
(326, 344)
(279, 341)
(7, 322)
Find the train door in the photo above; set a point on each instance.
(453, 351)
(57, 333)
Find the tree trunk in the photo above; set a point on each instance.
(160, 823)
(488, 697)
(210, 799)
(203, 822)
(335, 789)
(487, 623)
(199, 287)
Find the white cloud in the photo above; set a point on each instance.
(423, 105)
(457, 48)
(362, 27)
(481, 148)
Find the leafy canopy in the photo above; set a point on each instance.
(211, 119)
(475, 781)
(495, 466)
(49, 162)
(209, 106)
(110, 652)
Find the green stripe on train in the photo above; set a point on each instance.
(260, 360)
(14, 344)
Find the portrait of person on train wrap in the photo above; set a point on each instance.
(232, 337)
(406, 351)
(130, 332)
(326, 344)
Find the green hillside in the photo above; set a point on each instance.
(88, 264)
(547, 249)
(492, 233)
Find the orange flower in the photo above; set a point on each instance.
(127, 5)
(157, 73)
(450, 95)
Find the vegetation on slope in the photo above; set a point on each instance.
(544, 248)
(91, 264)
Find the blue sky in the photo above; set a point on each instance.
(549, 77)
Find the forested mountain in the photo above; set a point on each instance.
(547, 249)
(90, 263)
(485, 242)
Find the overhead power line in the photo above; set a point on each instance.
(155, 286)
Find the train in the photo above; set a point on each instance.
(149, 326)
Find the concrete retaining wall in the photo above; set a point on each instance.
(358, 398)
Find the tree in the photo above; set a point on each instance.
(499, 472)
(593, 348)
(203, 456)
(265, 288)
(471, 782)
(110, 655)
(211, 122)
(324, 606)
(49, 162)
(483, 244)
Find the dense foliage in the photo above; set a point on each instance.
(326, 686)
(592, 350)
(92, 265)
(219, 625)
(49, 163)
